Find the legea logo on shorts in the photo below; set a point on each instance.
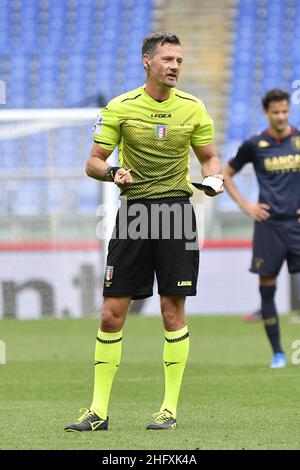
(184, 283)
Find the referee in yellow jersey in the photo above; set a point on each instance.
(154, 127)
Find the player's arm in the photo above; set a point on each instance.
(106, 134)
(210, 165)
(99, 169)
(257, 211)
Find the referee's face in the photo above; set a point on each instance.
(278, 115)
(164, 66)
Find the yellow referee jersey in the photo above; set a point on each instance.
(154, 140)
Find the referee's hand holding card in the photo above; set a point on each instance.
(211, 185)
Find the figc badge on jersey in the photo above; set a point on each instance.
(109, 272)
(161, 131)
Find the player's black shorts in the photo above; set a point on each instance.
(274, 242)
(153, 236)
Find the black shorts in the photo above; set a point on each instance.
(273, 243)
(153, 236)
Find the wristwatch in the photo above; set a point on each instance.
(111, 171)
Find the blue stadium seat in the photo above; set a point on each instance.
(88, 196)
(30, 197)
(262, 59)
(50, 29)
(58, 54)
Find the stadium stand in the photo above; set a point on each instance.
(81, 53)
(206, 31)
(63, 54)
(262, 58)
(234, 52)
(46, 45)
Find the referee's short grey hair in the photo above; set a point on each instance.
(152, 40)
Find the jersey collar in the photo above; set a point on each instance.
(157, 103)
(278, 141)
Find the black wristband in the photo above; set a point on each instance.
(111, 171)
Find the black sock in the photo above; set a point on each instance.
(270, 318)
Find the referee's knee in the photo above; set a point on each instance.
(113, 315)
(172, 309)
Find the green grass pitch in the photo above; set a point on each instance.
(230, 398)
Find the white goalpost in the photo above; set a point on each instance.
(51, 259)
(47, 146)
